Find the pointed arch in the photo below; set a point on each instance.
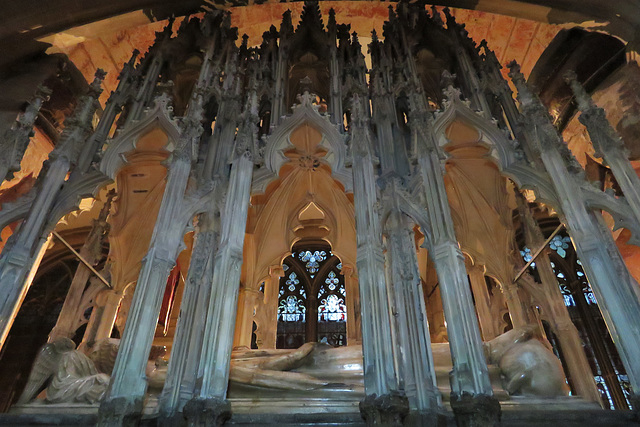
(332, 140)
(160, 117)
(501, 150)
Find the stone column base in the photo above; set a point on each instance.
(386, 410)
(478, 410)
(207, 412)
(425, 418)
(120, 412)
(634, 399)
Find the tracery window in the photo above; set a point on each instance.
(313, 260)
(332, 311)
(292, 311)
(312, 299)
(608, 372)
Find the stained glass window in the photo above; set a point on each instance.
(313, 270)
(608, 371)
(527, 256)
(332, 310)
(292, 300)
(560, 244)
(313, 260)
(292, 311)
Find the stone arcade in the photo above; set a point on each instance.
(350, 235)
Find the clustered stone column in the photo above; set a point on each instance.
(213, 184)
(617, 292)
(564, 328)
(383, 405)
(25, 246)
(471, 392)
(416, 372)
(124, 400)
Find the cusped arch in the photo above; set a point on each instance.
(160, 117)
(332, 140)
(490, 135)
(416, 213)
(501, 150)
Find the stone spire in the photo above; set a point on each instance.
(311, 17)
(80, 123)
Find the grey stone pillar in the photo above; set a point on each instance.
(618, 294)
(608, 145)
(471, 393)
(572, 347)
(183, 364)
(416, 372)
(24, 246)
(483, 302)
(377, 348)
(91, 251)
(123, 403)
(209, 407)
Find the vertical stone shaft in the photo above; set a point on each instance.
(483, 302)
(377, 348)
(223, 301)
(103, 317)
(608, 145)
(128, 379)
(25, 246)
(581, 375)
(470, 373)
(112, 107)
(182, 371)
(92, 252)
(617, 293)
(146, 91)
(417, 372)
(517, 310)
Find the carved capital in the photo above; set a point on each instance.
(386, 410)
(478, 410)
(207, 412)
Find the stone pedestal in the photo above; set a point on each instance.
(386, 410)
(120, 412)
(478, 410)
(211, 412)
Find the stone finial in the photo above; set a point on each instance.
(16, 139)
(166, 32)
(582, 98)
(525, 96)
(436, 17)
(311, 15)
(603, 136)
(95, 88)
(127, 69)
(79, 124)
(331, 24)
(374, 36)
(286, 27)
